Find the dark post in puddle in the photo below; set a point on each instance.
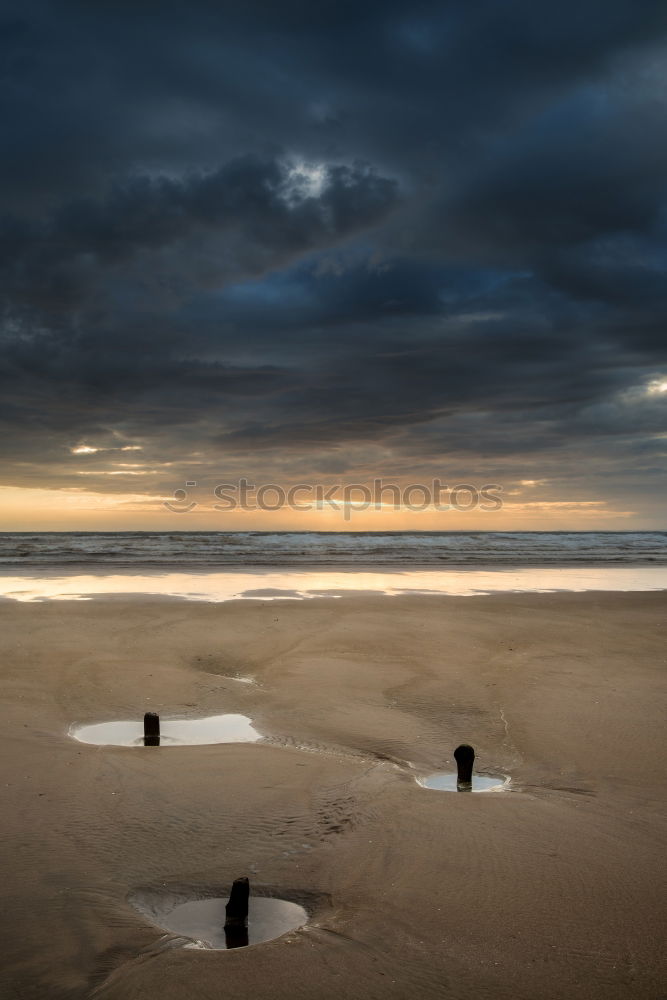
(151, 730)
(464, 757)
(236, 914)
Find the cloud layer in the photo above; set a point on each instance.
(338, 239)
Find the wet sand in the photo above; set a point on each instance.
(549, 890)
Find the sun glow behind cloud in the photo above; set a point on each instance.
(80, 509)
(88, 449)
(70, 509)
(306, 180)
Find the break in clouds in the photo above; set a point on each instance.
(327, 240)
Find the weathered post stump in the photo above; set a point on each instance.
(236, 937)
(151, 730)
(236, 910)
(464, 757)
(236, 914)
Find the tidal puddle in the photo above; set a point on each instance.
(203, 920)
(443, 782)
(173, 732)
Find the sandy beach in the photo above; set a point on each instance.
(548, 890)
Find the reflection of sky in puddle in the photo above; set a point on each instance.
(173, 732)
(203, 920)
(442, 782)
(276, 585)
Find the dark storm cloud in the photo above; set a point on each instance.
(54, 263)
(287, 229)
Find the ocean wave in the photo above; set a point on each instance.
(252, 548)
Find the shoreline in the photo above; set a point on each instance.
(352, 566)
(267, 583)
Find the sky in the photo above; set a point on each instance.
(326, 243)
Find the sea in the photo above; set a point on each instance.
(219, 549)
(271, 566)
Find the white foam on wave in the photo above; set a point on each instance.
(453, 548)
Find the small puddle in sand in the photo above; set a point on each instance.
(202, 920)
(443, 782)
(173, 732)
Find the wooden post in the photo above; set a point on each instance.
(236, 910)
(464, 757)
(151, 730)
(236, 937)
